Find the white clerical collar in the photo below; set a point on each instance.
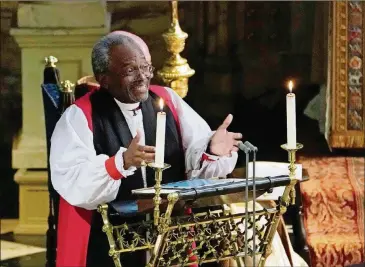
(127, 106)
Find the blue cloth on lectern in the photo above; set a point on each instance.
(53, 93)
(51, 104)
(52, 113)
(125, 208)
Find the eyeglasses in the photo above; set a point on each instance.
(146, 69)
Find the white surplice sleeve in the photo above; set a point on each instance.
(196, 135)
(81, 177)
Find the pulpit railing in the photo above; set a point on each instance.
(209, 233)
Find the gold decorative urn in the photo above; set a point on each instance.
(176, 71)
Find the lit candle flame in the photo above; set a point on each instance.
(161, 104)
(290, 85)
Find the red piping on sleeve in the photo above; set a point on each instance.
(112, 169)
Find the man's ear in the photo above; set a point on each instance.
(103, 80)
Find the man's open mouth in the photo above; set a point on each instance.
(142, 88)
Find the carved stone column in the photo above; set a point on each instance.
(66, 30)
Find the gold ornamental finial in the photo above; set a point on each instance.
(68, 96)
(67, 86)
(51, 61)
(176, 70)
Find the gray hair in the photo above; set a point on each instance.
(100, 53)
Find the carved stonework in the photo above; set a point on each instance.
(346, 71)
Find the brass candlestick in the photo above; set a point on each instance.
(292, 167)
(176, 71)
(287, 197)
(157, 199)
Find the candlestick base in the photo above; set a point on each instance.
(155, 166)
(158, 168)
(285, 147)
(289, 193)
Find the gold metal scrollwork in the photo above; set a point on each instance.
(209, 236)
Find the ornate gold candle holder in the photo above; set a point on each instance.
(176, 71)
(157, 199)
(287, 197)
(290, 196)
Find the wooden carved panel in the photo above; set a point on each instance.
(346, 85)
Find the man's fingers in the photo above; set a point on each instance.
(236, 143)
(148, 156)
(144, 158)
(150, 149)
(136, 139)
(237, 136)
(226, 122)
(146, 148)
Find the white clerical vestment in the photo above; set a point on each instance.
(80, 176)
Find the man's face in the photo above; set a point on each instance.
(129, 74)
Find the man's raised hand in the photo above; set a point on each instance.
(136, 155)
(223, 142)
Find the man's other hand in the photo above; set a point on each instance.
(223, 142)
(137, 155)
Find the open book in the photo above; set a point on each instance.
(270, 168)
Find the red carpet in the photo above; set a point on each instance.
(333, 206)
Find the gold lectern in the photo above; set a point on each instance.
(210, 233)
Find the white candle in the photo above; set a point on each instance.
(160, 137)
(291, 118)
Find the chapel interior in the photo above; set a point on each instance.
(243, 53)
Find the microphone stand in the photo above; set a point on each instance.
(247, 150)
(254, 150)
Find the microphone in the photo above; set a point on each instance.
(244, 147)
(251, 146)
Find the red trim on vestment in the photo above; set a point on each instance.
(112, 169)
(85, 105)
(206, 157)
(73, 230)
(73, 222)
(73, 233)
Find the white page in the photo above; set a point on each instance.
(270, 168)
